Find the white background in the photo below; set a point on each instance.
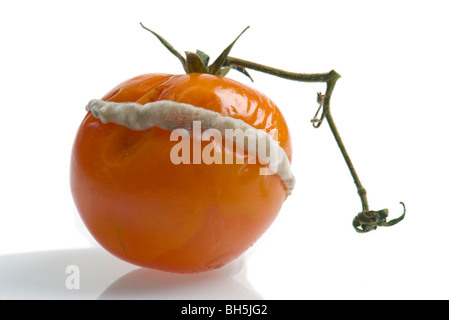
(390, 107)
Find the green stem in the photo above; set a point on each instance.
(360, 189)
(366, 220)
(303, 77)
(330, 120)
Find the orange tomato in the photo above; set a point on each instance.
(181, 218)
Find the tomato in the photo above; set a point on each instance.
(181, 218)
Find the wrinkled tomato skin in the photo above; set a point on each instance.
(183, 218)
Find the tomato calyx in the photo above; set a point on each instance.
(198, 62)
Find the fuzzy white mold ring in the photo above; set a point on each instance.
(170, 115)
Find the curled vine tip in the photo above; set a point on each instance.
(369, 220)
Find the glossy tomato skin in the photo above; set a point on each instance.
(182, 218)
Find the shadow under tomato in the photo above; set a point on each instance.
(47, 274)
(228, 282)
